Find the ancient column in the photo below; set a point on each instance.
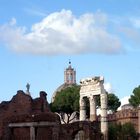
(32, 133)
(92, 101)
(104, 123)
(82, 109)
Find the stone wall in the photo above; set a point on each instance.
(30, 119)
(57, 132)
(91, 130)
(124, 116)
(21, 104)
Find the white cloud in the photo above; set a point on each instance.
(63, 33)
(124, 100)
(108, 87)
(130, 29)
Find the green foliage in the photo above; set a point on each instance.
(129, 130)
(66, 101)
(122, 132)
(135, 98)
(113, 102)
(112, 131)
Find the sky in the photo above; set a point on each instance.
(38, 38)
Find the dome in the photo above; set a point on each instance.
(69, 80)
(61, 87)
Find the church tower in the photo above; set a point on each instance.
(69, 80)
(69, 75)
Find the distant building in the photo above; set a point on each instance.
(127, 106)
(69, 80)
(70, 75)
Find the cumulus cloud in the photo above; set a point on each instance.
(63, 33)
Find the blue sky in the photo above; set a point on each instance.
(37, 39)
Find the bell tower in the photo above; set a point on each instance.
(69, 75)
(69, 80)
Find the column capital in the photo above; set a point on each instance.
(92, 98)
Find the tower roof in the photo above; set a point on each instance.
(69, 67)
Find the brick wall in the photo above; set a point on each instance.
(23, 109)
(21, 104)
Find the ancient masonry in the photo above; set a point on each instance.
(90, 88)
(24, 118)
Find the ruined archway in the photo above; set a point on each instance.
(90, 87)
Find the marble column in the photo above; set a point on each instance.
(82, 109)
(104, 123)
(92, 101)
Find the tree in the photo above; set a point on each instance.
(135, 99)
(113, 102)
(66, 102)
(112, 131)
(129, 131)
(122, 132)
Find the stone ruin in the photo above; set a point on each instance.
(90, 88)
(24, 118)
